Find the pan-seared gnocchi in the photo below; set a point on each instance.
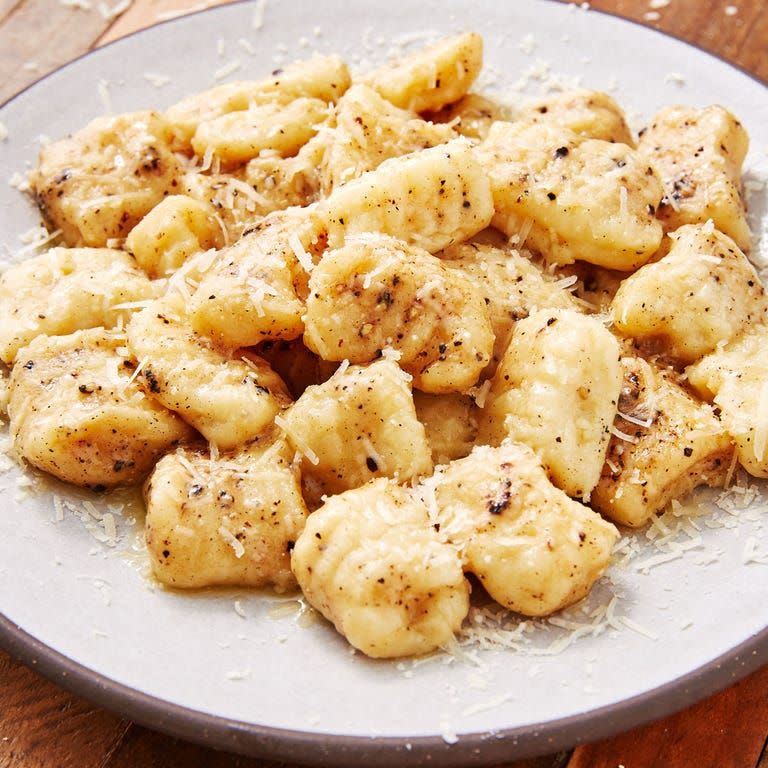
(735, 378)
(367, 130)
(254, 289)
(431, 198)
(358, 425)
(321, 77)
(473, 115)
(557, 390)
(96, 185)
(432, 77)
(572, 199)
(511, 284)
(450, 422)
(591, 114)
(173, 231)
(378, 292)
(237, 137)
(533, 549)
(226, 520)
(66, 290)
(698, 154)
(371, 562)
(700, 295)
(382, 337)
(664, 444)
(228, 398)
(78, 412)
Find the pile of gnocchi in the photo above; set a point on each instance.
(373, 337)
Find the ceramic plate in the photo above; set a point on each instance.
(676, 618)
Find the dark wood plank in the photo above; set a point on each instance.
(6, 6)
(39, 35)
(144, 13)
(42, 726)
(142, 748)
(725, 731)
(741, 38)
(764, 758)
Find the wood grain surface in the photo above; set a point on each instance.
(42, 726)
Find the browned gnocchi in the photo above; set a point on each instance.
(376, 337)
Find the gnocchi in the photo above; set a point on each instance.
(574, 199)
(698, 154)
(378, 336)
(377, 292)
(254, 289)
(77, 411)
(591, 114)
(664, 444)
(321, 77)
(533, 549)
(358, 425)
(174, 230)
(98, 184)
(557, 390)
(367, 130)
(698, 296)
(65, 290)
(431, 198)
(432, 77)
(230, 520)
(735, 378)
(228, 398)
(371, 563)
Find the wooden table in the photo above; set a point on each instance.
(42, 725)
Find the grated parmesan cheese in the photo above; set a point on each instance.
(110, 528)
(566, 282)
(17, 181)
(257, 20)
(227, 70)
(102, 87)
(304, 259)
(480, 393)
(634, 420)
(623, 435)
(761, 423)
(246, 46)
(232, 540)
(674, 77)
(118, 9)
(751, 553)
(156, 80)
(635, 627)
(448, 734)
(312, 457)
(527, 45)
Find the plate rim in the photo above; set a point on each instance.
(340, 750)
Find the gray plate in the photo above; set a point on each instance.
(269, 682)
